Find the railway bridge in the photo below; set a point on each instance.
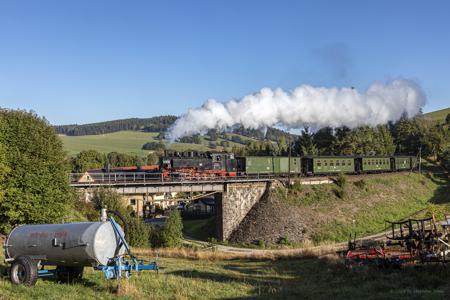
(234, 196)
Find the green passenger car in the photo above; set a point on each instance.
(402, 162)
(375, 163)
(281, 165)
(328, 165)
(268, 165)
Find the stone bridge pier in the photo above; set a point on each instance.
(233, 204)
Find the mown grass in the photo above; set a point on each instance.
(301, 278)
(131, 142)
(122, 141)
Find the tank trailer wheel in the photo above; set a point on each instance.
(23, 271)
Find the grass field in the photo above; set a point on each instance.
(295, 278)
(130, 142)
(438, 115)
(122, 141)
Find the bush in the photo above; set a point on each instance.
(33, 171)
(284, 241)
(138, 231)
(173, 230)
(156, 236)
(154, 146)
(341, 181)
(297, 186)
(86, 160)
(435, 210)
(444, 159)
(261, 244)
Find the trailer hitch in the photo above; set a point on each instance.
(119, 267)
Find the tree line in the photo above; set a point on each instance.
(93, 159)
(154, 124)
(406, 136)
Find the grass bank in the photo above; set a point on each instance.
(303, 278)
(361, 204)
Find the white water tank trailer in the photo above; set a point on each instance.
(70, 247)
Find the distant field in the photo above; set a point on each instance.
(129, 142)
(122, 141)
(438, 115)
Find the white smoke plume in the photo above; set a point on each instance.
(315, 107)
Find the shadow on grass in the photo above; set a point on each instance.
(442, 193)
(329, 279)
(82, 282)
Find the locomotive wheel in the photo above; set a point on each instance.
(23, 271)
(69, 274)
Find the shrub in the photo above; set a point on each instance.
(173, 230)
(341, 181)
(297, 186)
(138, 231)
(154, 146)
(33, 171)
(156, 236)
(435, 210)
(87, 159)
(261, 244)
(444, 158)
(284, 241)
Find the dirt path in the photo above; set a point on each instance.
(324, 249)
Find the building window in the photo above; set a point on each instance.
(132, 201)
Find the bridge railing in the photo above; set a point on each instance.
(142, 177)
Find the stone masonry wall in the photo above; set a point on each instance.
(237, 200)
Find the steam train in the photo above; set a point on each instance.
(220, 164)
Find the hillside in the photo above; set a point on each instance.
(438, 115)
(132, 142)
(324, 213)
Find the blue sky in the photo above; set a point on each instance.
(86, 61)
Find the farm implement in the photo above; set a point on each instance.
(412, 241)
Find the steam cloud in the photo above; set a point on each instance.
(315, 107)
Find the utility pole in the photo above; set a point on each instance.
(289, 161)
(420, 159)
